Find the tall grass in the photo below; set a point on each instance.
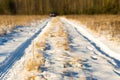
(8, 22)
(108, 25)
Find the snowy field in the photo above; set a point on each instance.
(57, 49)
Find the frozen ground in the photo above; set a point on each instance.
(70, 53)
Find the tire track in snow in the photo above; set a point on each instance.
(19, 52)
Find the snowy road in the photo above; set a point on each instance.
(68, 53)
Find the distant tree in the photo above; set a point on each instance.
(36, 7)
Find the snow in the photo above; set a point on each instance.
(113, 45)
(69, 52)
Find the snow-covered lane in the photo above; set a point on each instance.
(95, 65)
(17, 53)
(67, 55)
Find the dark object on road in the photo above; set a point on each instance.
(53, 14)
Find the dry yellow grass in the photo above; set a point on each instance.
(32, 66)
(34, 62)
(34, 78)
(40, 45)
(8, 22)
(31, 78)
(59, 34)
(108, 25)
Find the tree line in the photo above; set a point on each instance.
(36, 7)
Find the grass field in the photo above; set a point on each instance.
(108, 25)
(8, 22)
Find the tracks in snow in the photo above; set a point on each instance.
(67, 54)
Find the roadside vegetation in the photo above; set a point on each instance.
(9, 22)
(102, 25)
